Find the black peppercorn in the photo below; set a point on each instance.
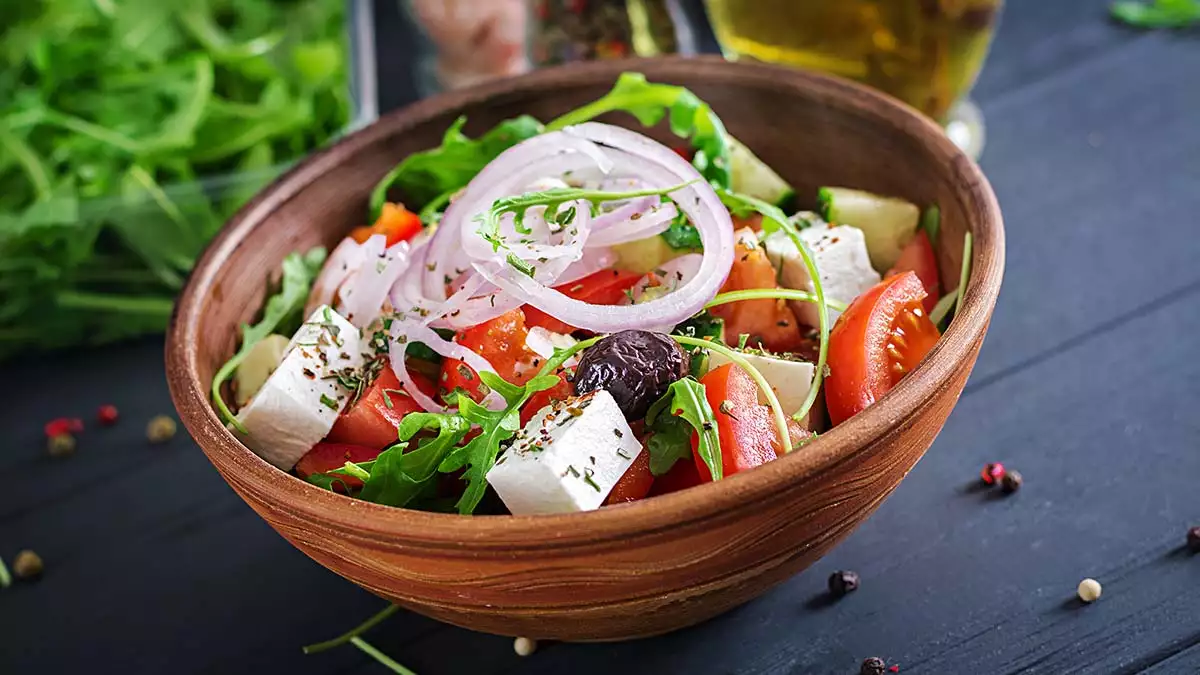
(1193, 539)
(1011, 482)
(872, 666)
(842, 582)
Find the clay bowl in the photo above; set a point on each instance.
(652, 566)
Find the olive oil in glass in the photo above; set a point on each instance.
(927, 53)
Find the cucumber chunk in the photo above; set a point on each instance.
(888, 223)
(750, 176)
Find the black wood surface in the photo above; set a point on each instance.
(1089, 384)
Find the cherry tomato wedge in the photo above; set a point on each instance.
(502, 342)
(880, 338)
(324, 457)
(373, 420)
(746, 428)
(395, 221)
(769, 322)
(918, 258)
(605, 287)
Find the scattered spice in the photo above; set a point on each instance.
(992, 473)
(60, 445)
(1089, 590)
(1011, 482)
(63, 425)
(160, 429)
(524, 646)
(842, 582)
(27, 566)
(872, 666)
(1193, 539)
(107, 415)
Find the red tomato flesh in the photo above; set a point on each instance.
(559, 392)
(919, 259)
(325, 457)
(605, 287)
(370, 422)
(502, 342)
(635, 483)
(395, 222)
(680, 477)
(880, 338)
(769, 322)
(746, 428)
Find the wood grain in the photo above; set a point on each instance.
(643, 568)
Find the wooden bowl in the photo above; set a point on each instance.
(652, 566)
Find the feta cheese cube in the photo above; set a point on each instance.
(298, 404)
(567, 458)
(543, 342)
(790, 380)
(840, 254)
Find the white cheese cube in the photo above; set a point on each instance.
(790, 380)
(567, 458)
(543, 342)
(297, 405)
(840, 254)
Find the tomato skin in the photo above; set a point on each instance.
(865, 358)
(396, 222)
(502, 342)
(325, 456)
(635, 483)
(370, 422)
(559, 392)
(680, 477)
(918, 257)
(605, 287)
(768, 321)
(747, 431)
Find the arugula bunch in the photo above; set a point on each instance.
(109, 114)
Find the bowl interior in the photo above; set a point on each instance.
(812, 129)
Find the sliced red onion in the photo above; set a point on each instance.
(362, 298)
(345, 259)
(638, 226)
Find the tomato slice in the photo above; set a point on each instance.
(324, 457)
(395, 221)
(371, 421)
(635, 483)
(880, 338)
(769, 322)
(605, 287)
(680, 477)
(559, 392)
(918, 258)
(502, 342)
(746, 428)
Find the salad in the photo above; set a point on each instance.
(564, 316)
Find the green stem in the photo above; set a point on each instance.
(560, 357)
(379, 656)
(115, 303)
(28, 159)
(353, 633)
(356, 471)
(965, 274)
(763, 385)
(95, 131)
(765, 293)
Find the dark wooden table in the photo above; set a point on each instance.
(1089, 384)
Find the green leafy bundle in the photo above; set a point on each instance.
(109, 114)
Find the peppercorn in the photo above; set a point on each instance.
(992, 473)
(872, 666)
(1193, 539)
(27, 566)
(1011, 482)
(60, 445)
(524, 646)
(160, 429)
(1089, 590)
(107, 415)
(842, 582)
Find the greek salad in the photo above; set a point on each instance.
(557, 317)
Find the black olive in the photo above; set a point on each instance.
(635, 366)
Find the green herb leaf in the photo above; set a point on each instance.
(1158, 14)
(684, 400)
(425, 176)
(282, 311)
(399, 476)
(681, 235)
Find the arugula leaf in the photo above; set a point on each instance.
(479, 455)
(684, 401)
(399, 475)
(688, 116)
(681, 235)
(282, 312)
(426, 176)
(1158, 13)
(704, 326)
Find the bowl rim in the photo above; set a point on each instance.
(728, 498)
